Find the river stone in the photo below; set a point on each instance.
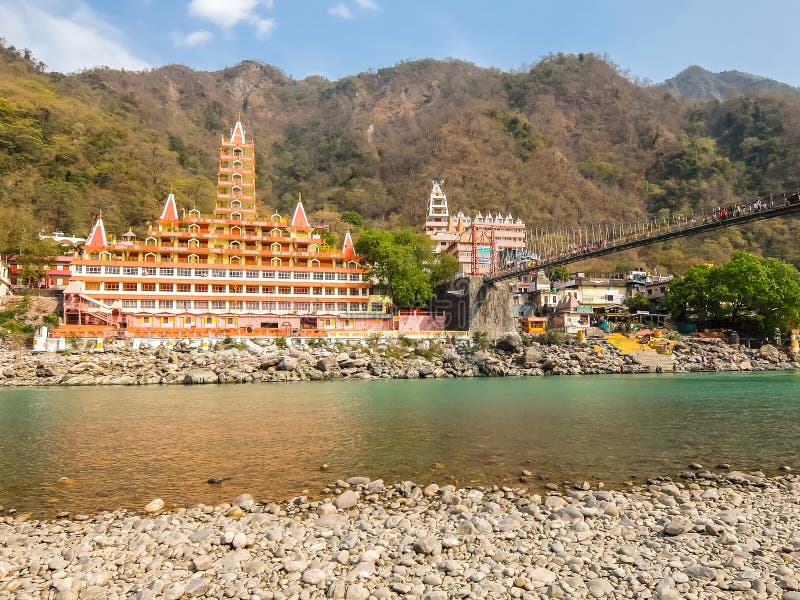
(196, 587)
(676, 527)
(428, 545)
(154, 506)
(200, 376)
(346, 499)
(599, 588)
(244, 501)
(202, 563)
(57, 563)
(295, 565)
(313, 576)
(358, 481)
(239, 540)
(542, 576)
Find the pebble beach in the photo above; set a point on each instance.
(720, 534)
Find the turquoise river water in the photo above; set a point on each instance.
(123, 446)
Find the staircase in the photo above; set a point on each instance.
(653, 359)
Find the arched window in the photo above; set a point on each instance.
(194, 213)
(236, 189)
(275, 262)
(149, 257)
(237, 152)
(237, 164)
(236, 231)
(352, 264)
(275, 233)
(313, 248)
(151, 241)
(235, 260)
(236, 245)
(236, 216)
(105, 256)
(194, 228)
(194, 243)
(194, 258)
(314, 262)
(275, 247)
(236, 204)
(236, 178)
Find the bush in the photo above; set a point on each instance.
(480, 340)
(551, 337)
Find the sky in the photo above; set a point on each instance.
(335, 38)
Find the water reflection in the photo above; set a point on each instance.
(124, 446)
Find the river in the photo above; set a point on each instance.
(123, 446)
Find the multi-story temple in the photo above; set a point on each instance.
(232, 271)
(481, 243)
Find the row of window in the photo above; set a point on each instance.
(234, 305)
(204, 288)
(216, 273)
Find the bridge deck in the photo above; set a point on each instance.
(790, 205)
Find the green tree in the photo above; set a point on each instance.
(637, 302)
(558, 274)
(404, 262)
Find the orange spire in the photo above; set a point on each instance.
(348, 251)
(170, 212)
(237, 135)
(97, 238)
(299, 219)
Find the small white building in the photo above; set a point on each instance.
(5, 281)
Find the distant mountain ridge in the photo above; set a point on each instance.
(701, 84)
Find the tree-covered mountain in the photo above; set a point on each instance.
(570, 140)
(700, 84)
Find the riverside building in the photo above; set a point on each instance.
(235, 271)
(483, 243)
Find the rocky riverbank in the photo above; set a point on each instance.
(709, 535)
(264, 361)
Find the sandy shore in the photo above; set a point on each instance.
(709, 535)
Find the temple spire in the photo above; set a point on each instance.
(170, 212)
(97, 238)
(299, 218)
(237, 135)
(348, 250)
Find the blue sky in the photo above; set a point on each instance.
(335, 38)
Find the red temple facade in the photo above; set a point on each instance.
(233, 271)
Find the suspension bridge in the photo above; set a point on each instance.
(556, 247)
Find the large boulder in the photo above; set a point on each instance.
(200, 376)
(510, 341)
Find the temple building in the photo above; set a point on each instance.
(233, 271)
(483, 243)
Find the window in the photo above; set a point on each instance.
(112, 270)
(149, 271)
(167, 272)
(609, 297)
(93, 286)
(129, 304)
(330, 276)
(218, 305)
(355, 277)
(235, 274)
(267, 289)
(218, 289)
(218, 273)
(183, 304)
(376, 307)
(165, 304)
(318, 276)
(148, 303)
(301, 290)
(145, 320)
(330, 306)
(200, 287)
(301, 275)
(201, 272)
(341, 306)
(235, 305)
(302, 306)
(166, 287)
(252, 305)
(184, 287)
(109, 286)
(148, 287)
(354, 307)
(91, 270)
(79, 269)
(284, 290)
(252, 289)
(235, 289)
(184, 272)
(284, 306)
(341, 276)
(317, 291)
(269, 305)
(268, 274)
(130, 286)
(284, 275)
(251, 274)
(201, 304)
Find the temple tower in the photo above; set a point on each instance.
(236, 177)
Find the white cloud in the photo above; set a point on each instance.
(66, 35)
(368, 4)
(340, 11)
(264, 26)
(229, 13)
(193, 39)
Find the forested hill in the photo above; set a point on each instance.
(569, 140)
(701, 84)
